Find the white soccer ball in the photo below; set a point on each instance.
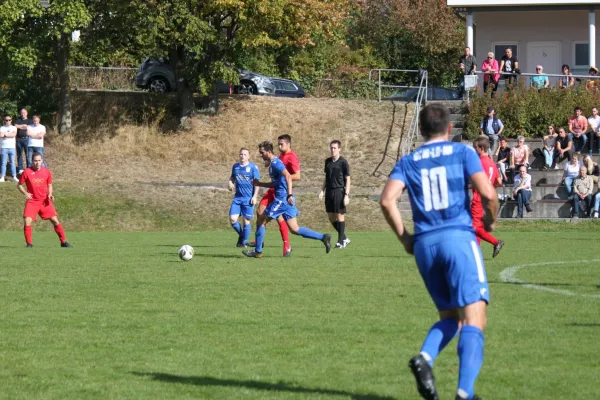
(186, 252)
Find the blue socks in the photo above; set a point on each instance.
(260, 238)
(470, 355)
(246, 233)
(440, 334)
(237, 227)
(309, 234)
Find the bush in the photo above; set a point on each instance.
(527, 112)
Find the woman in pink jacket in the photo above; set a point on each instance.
(489, 66)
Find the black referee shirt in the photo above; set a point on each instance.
(336, 173)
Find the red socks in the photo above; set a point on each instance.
(485, 235)
(283, 229)
(60, 232)
(27, 231)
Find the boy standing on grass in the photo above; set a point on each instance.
(36, 185)
(436, 176)
(242, 174)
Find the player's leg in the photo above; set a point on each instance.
(333, 221)
(27, 231)
(247, 212)
(482, 234)
(307, 233)
(470, 347)
(234, 214)
(59, 231)
(259, 236)
(267, 198)
(342, 239)
(285, 235)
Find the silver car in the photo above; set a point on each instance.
(157, 75)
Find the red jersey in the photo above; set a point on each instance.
(490, 169)
(37, 182)
(291, 161)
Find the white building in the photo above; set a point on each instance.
(550, 32)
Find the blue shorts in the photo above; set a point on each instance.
(451, 266)
(281, 207)
(241, 206)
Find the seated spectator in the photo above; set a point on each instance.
(503, 159)
(566, 81)
(596, 203)
(592, 83)
(564, 147)
(519, 155)
(583, 189)
(578, 126)
(492, 127)
(549, 147)
(571, 172)
(522, 191)
(539, 81)
(592, 167)
(594, 130)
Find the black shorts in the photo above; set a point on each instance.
(334, 201)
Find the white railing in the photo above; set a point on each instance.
(381, 84)
(413, 130)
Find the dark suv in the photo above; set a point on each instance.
(157, 75)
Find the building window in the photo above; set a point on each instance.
(581, 54)
(499, 50)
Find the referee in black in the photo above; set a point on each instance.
(336, 190)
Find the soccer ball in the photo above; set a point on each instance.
(186, 252)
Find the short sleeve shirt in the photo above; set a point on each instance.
(22, 133)
(509, 64)
(336, 173)
(291, 161)
(37, 182)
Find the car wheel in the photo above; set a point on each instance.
(247, 88)
(159, 85)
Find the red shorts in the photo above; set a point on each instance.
(268, 197)
(44, 208)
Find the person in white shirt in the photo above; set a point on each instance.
(36, 133)
(571, 172)
(522, 191)
(8, 132)
(594, 130)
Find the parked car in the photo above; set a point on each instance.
(287, 88)
(157, 75)
(433, 93)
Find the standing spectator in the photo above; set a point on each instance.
(520, 155)
(592, 84)
(36, 133)
(23, 140)
(594, 130)
(491, 76)
(468, 65)
(336, 190)
(539, 81)
(8, 132)
(566, 81)
(492, 127)
(571, 172)
(522, 191)
(578, 126)
(549, 147)
(503, 159)
(583, 188)
(564, 147)
(508, 66)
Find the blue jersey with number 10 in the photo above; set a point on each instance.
(436, 176)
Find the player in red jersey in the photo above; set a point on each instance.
(482, 145)
(36, 185)
(292, 164)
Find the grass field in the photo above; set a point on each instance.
(119, 316)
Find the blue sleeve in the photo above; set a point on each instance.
(397, 173)
(278, 166)
(256, 172)
(472, 164)
(232, 177)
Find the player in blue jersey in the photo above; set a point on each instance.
(242, 175)
(444, 244)
(283, 205)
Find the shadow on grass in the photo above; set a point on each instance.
(585, 324)
(234, 383)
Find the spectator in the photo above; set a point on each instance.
(492, 127)
(23, 140)
(522, 191)
(592, 84)
(592, 167)
(549, 147)
(583, 188)
(36, 133)
(519, 155)
(596, 203)
(8, 132)
(508, 66)
(564, 147)
(578, 126)
(571, 172)
(468, 65)
(491, 76)
(594, 130)
(503, 159)
(566, 81)
(539, 81)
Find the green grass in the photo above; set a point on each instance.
(119, 316)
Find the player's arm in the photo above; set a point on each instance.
(50, 195)
(389, 199)
(323, 187)
(231, 183)
(23, 189)
(489, 199)
(295, 176)
(290, 189)
(259, 184)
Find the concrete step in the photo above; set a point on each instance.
(545, 208)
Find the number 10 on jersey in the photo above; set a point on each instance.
(435, 188)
